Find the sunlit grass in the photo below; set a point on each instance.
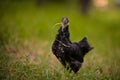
(26, 35)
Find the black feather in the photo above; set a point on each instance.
(71, 55)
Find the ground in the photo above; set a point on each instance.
(27, 32)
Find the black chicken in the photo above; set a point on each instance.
(69, 54)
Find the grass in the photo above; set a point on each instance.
(26, 35)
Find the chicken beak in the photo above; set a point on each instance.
(65, 22)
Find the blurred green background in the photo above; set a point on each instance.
(27, 30)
